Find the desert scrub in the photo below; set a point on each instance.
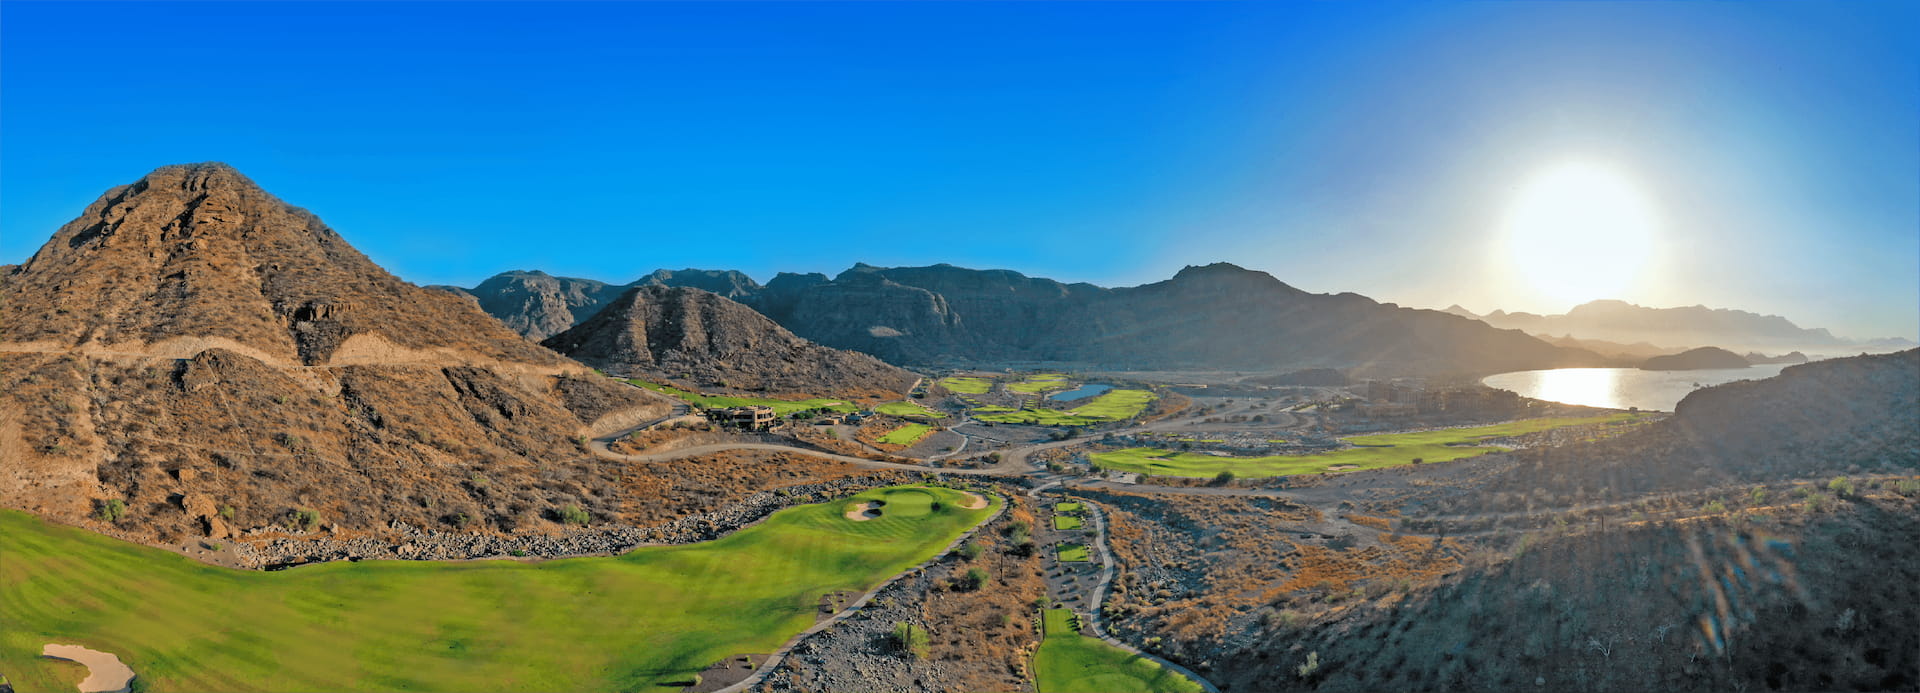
(111, 510)
(573, 515)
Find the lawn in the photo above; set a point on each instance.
(1074, 553)
(1068, 507)
(1388, 450)
(967, 385)
(1069, 662)
(1040, 382)
(906, 435)
(1067, 522)
(631, 622)
(781, 407)
(992, 409)
(909, 410)
(1112, 406)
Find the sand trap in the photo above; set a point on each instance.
(974, 501)
(105, 673)
(861, 512)
(1342, 467)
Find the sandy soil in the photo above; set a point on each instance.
(974, 501)
(105, 673)
(861, 512)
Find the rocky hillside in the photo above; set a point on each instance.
(694, 335)
(192, 354)
(1696, 359)
(1217, 316)
(540, 305)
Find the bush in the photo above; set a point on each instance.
(972, 550)
(910, 639)
(573, 515)
(1223, 478)
(306, 518)
(1841, 485)
(974, 578)
(110, 510)
(1311, 665)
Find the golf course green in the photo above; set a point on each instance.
(967, 384)
(1069, 662)
(1112, 406)
(906, 435)
(639, 621)
(1372, 452)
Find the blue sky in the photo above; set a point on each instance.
(1367, 147)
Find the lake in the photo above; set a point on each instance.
(1622, 388)
(1082, 392)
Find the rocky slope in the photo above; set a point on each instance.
(539, 305)
(697, 336)
(193, 354)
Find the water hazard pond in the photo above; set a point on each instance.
(1621, 388)
(1082, 392)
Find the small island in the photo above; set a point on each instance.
(1695, 359)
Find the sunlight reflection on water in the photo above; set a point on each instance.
(1621, 388)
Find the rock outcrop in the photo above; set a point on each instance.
(693, 335)
(193, 354)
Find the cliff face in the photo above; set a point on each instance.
(695, 335)
(192, 342)
(538, 305)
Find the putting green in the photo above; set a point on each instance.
(909, 410)
(1389, 450)
(1067, 522)
(637, 621)
(1040, 382)
(906, 435)
(1068, 507)
(1069, 662)
(1074, 553)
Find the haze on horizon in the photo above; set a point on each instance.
(1520, 157)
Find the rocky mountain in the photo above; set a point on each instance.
(1696, 359)
(1691, 326)
(539, 305)
(1219, 316)
(709, 340)
(194, 355)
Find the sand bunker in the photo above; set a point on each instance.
(974, 501)
(1342, 467)
(861, 512)
(105, 673)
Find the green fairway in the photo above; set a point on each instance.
(909, 410)
(1066, 522)
(781, 407)
(1388, 450)
(991, 409)
(1068, 507)
(1112, 406)
(906, 435)
(1074, 553)
(1069, 662)
(1040, 382)
(637, 621)
(967, 385)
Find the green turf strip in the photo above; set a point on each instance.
(1074, 553)
(1388, 450)
(909, 410)
(781, 407)
(1114, 405)
(967, 385)
(1069, 662)
(1068, 507)
(1066, 522)
(906, 435)
(629, 622)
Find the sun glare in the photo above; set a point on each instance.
(1580, 231)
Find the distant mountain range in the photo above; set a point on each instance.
(1643, 331)
(1216, 316)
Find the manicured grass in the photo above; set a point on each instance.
(1066, 522)
(967, 385)
(1070, 662)
(911, 410)
(1388, 450)
(1068, 507)
(629, 622)
(1040, 382)
(1114, 405)
(990, 409)
(1074, 553)
(781, 407)
(906, 435)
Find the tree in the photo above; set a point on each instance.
(910, 639)
(1223, 478)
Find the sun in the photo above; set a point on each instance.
(1580, 231)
